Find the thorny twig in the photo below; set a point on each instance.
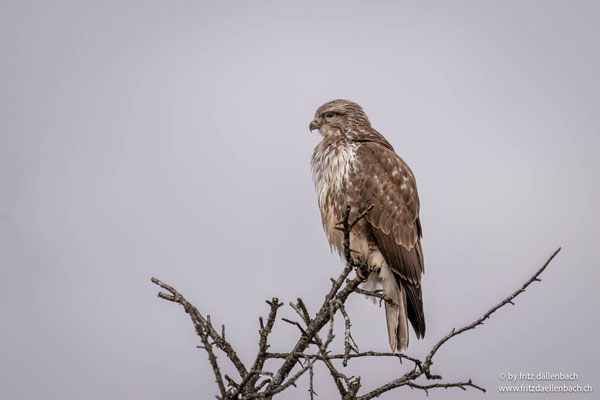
(309, 331)
(347, 336)
(218, 340)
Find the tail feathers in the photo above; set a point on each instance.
(414, 307)
(397, 323)
(396, 314)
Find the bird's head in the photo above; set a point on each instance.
(338, 116)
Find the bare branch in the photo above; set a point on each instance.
(321, 319)
(474, 324)
(405, 382)
(310, 333)
(280, 388)
(211, 357)
(425, 367)
(347, 335)
(346, 227)
(461, 385)
(364, 354)
(195, 315)
(263, 346)
(296, 324)
(201, 325)
(378, 294)
(336, 375)
(311, 386)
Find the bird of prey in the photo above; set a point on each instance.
(354, 165)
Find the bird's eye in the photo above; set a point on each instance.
(330, 115)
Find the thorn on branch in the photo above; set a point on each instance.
(294, 323)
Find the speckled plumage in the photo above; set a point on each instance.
(355, 165)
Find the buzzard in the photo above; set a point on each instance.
(354, 165)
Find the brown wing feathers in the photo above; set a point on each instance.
(394, 221)
(407, 265)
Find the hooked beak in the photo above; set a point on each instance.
(313, 125)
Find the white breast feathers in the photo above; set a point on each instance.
(331, 164)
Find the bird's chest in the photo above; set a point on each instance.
(333, 166)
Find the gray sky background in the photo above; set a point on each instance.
(171, 139)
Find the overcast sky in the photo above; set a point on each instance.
(171, 139)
